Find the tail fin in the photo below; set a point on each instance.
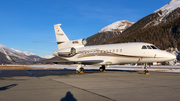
(61, 37)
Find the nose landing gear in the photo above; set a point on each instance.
(146, 72)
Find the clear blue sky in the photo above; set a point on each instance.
(25, 21)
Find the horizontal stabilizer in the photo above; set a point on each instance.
(48, 41)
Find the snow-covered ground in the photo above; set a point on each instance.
(161, 68)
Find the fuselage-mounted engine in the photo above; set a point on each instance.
(68, 49)
(66, 52)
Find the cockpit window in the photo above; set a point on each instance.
(144, 47)
(148, 47)
(153, 47)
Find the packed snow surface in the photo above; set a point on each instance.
(161, 68)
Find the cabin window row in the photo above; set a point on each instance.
(104, 51)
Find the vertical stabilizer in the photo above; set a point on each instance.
(60, 36)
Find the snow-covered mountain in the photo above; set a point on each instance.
(17, 55)
(166, 9)
(117, 26)
(24, 52)
(110, 31)
(165, 13)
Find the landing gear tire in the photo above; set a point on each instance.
(81, 70)
(102, 68)
(146, 72)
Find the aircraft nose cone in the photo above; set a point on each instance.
(171, 56)
(55, 53)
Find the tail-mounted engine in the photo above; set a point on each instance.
(69, 48)
(66, 52)
(79, 42)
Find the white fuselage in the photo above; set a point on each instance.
(120, 53)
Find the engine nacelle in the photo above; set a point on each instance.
(78, 42)
(65, 52)
(69, 48)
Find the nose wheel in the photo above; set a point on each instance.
(146, 72)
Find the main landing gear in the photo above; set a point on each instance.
(80, 69)
(102, 68)
(145, 69)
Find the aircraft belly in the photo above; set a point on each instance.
(112, 58)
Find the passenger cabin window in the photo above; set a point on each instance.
(144, 47)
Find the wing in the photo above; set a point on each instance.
(74, 62)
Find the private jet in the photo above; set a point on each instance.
(76, 51)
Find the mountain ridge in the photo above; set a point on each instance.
(110, 31)
(17, 55)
